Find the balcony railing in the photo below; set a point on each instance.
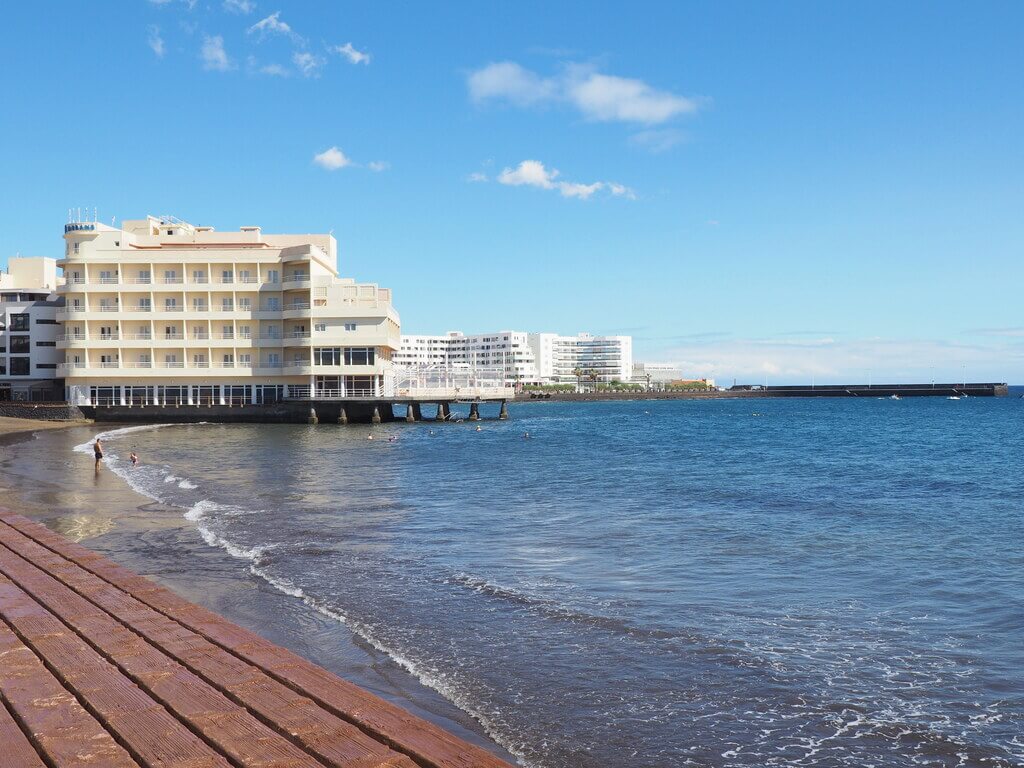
(173, 308)
(107, 308)
(139, 281)
(172, 280)
(139, 308)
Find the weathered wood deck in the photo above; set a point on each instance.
(102, 667)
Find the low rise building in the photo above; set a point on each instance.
(159, 311)
(28, 330)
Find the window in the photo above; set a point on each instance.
(76, 247)
(245, 360)
(170, 276)
(274, 359)
(327, 355)
(229, 361)
(350, 326)
(170, 331)
(359, 355)
(46, 343)
(46, 366)
(170, 304)
(45, 321)
(199, 304)
(19, 345)
(198, 276)
(19, 366)
(320, 327)
(227, 332)
(144, 276)
(244, 332)
(19, 322)
(273, 276)
(244, 304)
(227, 304)
(170, 361)
(227, 276)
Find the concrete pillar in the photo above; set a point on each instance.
(474, 411)
(342, 416)
(503, 413)
(220, 394)
(312, 417)
(253, 390)
(443, 412)
(417, 412)
(409, 415)
(376, 415)
(190, 400)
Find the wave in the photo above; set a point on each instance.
(116, 434)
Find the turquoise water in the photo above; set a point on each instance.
(723, 583)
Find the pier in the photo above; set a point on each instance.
(103, 667)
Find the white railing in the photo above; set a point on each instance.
(226, 280)
(248, 280)
(173, 308)
(139, 364)
(109, 365)
(75, 281)
(173, 280)
(171, 364)
(224, 365)
(108, 281)
(297, 305)
(299, 335)
(225, 308)
(200, 336)
(271, 365)
(200, 281)
(107, 308)
(199, 364)
(139, 281)
(140, 308)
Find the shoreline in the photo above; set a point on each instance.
(119, 521)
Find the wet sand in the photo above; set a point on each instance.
(43, 479)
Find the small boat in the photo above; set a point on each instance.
(953, 397)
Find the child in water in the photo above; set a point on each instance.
(134, 459)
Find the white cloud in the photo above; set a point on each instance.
(657, 140)
(596, 96)
(529, 172)
(350, 53)
(332, 159)
(378, 165)
(240, 6)
(272, 25)
(842, 361)
(508, 81)
(477, 177)
(533, 173)
(156, 43)
(213, 54)
(607, 98)
(308, 64)
(276, 70)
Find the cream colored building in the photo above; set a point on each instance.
(160, 311)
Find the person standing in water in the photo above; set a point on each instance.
(97, 449)
(134, 459)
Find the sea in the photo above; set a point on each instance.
(783, 582)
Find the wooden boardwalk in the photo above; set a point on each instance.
(101, 667)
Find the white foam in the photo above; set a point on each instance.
(186, 485)
(116, 434)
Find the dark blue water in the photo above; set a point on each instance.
(727, 583)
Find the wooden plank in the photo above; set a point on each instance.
(429, 745)
(328, 737)
(64, 731)
(149, 733)
(230, 728)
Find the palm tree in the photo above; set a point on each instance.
(578, 373)
(593, 378)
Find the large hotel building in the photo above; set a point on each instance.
(160, 311)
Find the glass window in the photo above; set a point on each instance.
(19, 322)
(19, 366)
(327, 355)
(19, 345)
(359, 355)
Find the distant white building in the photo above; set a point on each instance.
(526, 358)
(659, 374)
(28, 330)
(508, 351)
(561, 358)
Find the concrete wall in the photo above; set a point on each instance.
(41, 411)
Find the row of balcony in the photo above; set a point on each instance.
(259, 367)
(289, 282)
(117, 336)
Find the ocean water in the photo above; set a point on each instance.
(705, 583)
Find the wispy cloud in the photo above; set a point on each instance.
(308, 64)
(785, 359)
(155, 42)
(1013, 332)
(349, 52)
(378, 165)
(533, 173)
(332, 159)
(272, 25)
(243, 7)
(595, 95)
(657, 140)
(476, 177)
(274, 70)
(213, 55)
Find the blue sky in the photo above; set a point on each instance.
(785, 190)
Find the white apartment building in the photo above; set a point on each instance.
(28, 330)
(507, 351)
(527, 358)
(159, 311)
(559, 358)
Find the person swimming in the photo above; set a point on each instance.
(479, 428)
(526, 435)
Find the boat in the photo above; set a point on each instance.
(953, 397)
